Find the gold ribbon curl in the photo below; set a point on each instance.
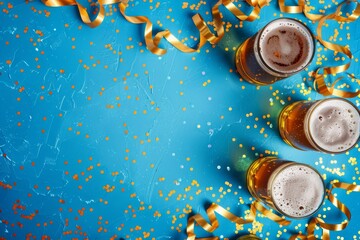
(326, 227)
(319, 82)
(214, 224)
(152, 43)
(82, 10)
(205, 33)
(257, 206)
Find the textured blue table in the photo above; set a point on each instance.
(100, 138)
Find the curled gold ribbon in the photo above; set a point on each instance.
(320, 78)
(152, 43)
(327, 227)
(257, 206)
(300, 8)
(82, 10)
(205, 33)
(319, 82)
(214, 224)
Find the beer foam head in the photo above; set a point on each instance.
(297, 190)
(286, 45)
(334, 125)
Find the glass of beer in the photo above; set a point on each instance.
(330, 125)
(295, 190)
(249, 237)
(281, 49)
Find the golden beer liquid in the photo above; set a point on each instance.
(248, 67)
(294, 125)
(260, 174)
(291, 125)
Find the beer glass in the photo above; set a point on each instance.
(330, 125)
(281, 49)
(295, 190)
(249, 237)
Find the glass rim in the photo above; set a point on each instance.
(292, 163)
(313, 41)
(307, 125)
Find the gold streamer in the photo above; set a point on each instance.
(326, 227)
(214, 224)
(319, 82)
(152, 43)
(82, 10)
(205, 33)
(257, 206)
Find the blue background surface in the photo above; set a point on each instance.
(101, 138)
